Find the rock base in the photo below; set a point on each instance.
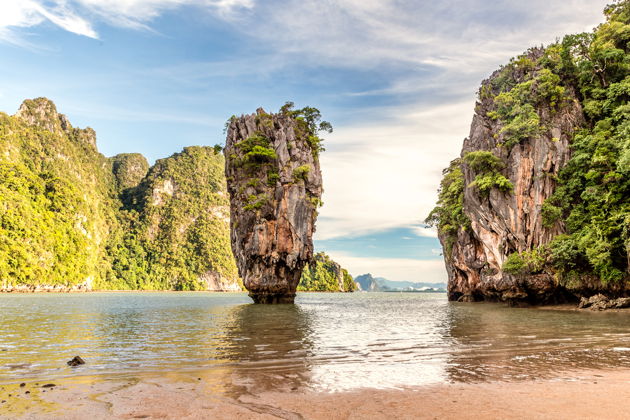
(272, 298)
(601, 302)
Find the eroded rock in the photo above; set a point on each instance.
(275, 185)
(600, 302)
(503, 222)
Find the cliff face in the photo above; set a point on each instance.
(179, 215)
(275, 185)
(536, 209)
(504, 222)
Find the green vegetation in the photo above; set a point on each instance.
(593, 195)
(255, 202)
(528, 262)
(516, 107)
(487, 167)
(176, 231)
(57, 202)
(256, 150)
(592, 198)
(310, 123)
(301, 172)
(448, 215)
(70, 216)
(325, 275)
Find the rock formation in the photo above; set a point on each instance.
(504, 222)
(537, 207)
(367, 283)
(275, 185)
(323, 274)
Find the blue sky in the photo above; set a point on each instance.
(396, 78)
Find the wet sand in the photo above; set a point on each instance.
(587, 394)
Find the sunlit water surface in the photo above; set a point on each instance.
(325, 342)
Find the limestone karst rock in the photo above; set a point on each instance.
(504, 222)
(75, 220)
(518, 214)
(275, 185)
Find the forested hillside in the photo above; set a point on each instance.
(325, 275)
(72, 219)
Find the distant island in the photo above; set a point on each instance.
(368, 283)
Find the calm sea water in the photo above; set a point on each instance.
(326, 341)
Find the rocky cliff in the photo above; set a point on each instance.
(528, 213)
(275, 185)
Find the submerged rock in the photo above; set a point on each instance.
(76, 361)
(275, 185)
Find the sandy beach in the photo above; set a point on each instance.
(575, 395)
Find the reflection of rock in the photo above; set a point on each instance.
(496, 343)
(275, 186)
(271, 345)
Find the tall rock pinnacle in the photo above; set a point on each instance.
(275, 185)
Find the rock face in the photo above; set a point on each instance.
(42, 113)
(275, 185)
(537, 208)
(504, 222)
(599, 302)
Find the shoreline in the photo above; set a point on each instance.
(195, 395)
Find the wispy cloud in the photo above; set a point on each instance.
(385, 174)
(80, 16)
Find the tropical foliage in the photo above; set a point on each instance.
(325, 275)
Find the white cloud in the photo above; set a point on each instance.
(79, 16)
(383, 175)
(26, 13)
(396, 269)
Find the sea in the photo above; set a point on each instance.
(326, 341)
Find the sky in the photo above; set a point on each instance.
(396, 78)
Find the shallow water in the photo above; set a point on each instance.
(326, 341)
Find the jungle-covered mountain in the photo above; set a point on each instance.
(71, 218)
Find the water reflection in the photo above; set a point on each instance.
(326, 341)
(269, 345)
(492, 342)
